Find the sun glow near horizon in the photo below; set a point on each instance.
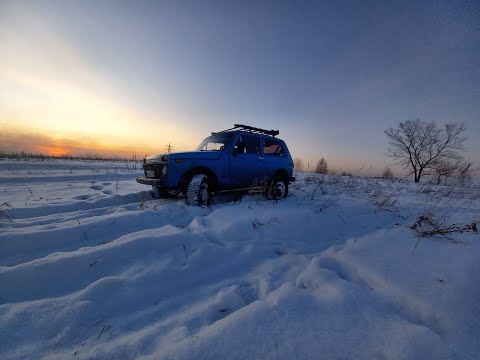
(54, 101)
(45, 104)
(30, 140)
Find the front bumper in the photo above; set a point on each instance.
(150, 181)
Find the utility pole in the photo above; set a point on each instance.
(169, 148)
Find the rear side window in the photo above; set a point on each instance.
(247, 145)
(273, 147)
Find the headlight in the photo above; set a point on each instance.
(163, 171)
(165, 158)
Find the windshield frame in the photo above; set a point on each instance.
(221, 138)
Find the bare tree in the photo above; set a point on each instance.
(298, 164)
(449, 169)
(322, 166)
(418, 145)
(466, 175)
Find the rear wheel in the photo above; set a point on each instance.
(198, 191)
(278, 189)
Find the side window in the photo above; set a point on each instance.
(273, 147)
(247, 145)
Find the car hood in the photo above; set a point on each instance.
(187, 155)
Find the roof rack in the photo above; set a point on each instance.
(250, 129)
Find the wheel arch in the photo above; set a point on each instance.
(188, 175)
(282, 173)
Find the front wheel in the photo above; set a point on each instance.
(278, 189)
(198, 191)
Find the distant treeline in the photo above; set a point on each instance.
(40, 156)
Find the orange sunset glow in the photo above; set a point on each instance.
(53, 150)
(54, 101)
(17, 140)
(71, 116)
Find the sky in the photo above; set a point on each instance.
(119, 77)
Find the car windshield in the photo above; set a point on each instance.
(216, 142)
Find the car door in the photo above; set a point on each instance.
(246, 165)
(274, 157)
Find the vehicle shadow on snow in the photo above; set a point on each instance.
(228, 197)
(217, 199)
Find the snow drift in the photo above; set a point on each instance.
(92, 267)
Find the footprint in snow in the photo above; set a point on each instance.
(232, 298)
(82, 197)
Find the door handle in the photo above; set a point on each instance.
(260, 158)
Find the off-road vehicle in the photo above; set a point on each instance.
(241, 158)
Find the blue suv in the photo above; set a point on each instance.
(240, 158)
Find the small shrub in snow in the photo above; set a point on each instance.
(314, 179)
(426, 189)
(426, 225)
(318, 189)
(350, 184)
(4, 210)
(335, 179)
(388, 174)
(384, 199)
(437, 221)
(322, 166)
(141, 206)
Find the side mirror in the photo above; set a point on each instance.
(234, 152)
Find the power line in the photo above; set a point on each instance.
(169, 148)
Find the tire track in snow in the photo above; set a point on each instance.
(35, 179)
(35, 242)
(53, 209)
(145, 303)
(407, 307)
(59, 275)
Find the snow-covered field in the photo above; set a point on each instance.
(92, 267)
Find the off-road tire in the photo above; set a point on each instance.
(278, 189)
(199, 192)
